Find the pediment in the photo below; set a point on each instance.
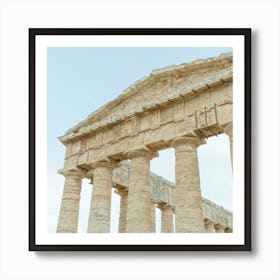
(162, 84)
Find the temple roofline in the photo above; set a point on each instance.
(175, 70)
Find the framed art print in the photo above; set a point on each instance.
(140, 139)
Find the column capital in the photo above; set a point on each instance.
(228, 230)
(208, 222)
(100, 206)
(122, 192)
(219, 228)
(69, 209)
(110, 164)
(142, 152)
(228, 129)
(165, 206)
(71, 172)
(191, 140)
(209, 226)
(154, 201)
(167, 212)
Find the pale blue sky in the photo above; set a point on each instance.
(80, 80)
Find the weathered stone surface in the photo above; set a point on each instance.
(69, 210)
(153, 215)
(209, 226)
(172, 104)
(100, 207)
(167, 211)
(163, 192)
(219, 228)
(159, 84)
(228, 129)
(216, 213)
(188, 200)
(138, 216)
(123, 208)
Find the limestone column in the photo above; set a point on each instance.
(69, 210)
(100, 207)
(188, 200)
(228, 230)
(123, 208)
(228, 129)
(153, 215)
(219, 228)
(209, 226)
(138, 216)
(166, 218)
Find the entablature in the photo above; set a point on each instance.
(174, 97)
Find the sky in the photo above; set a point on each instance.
(81, 80)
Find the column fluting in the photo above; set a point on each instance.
(69, 209)
(100, 207)
(138, 217)
(188, 200)
(123, 208)
(166, 218)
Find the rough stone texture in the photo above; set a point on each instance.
(153, 215)
(123, 208)
(167, 211)
(209, 226)
(69, 210)
(138, 216)
(163, 192)
(159, 85)
(188, 100)
(219, 228)
(100, 207)
(188, 200)
(228, 129)
(216, 213)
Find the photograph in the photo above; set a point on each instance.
(140, 139)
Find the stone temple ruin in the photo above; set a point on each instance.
(174, 107)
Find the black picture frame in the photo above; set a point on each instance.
(245, 32)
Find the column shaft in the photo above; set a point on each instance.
(139, 218)
(69, 210)
(123, 208)
(229, 131)
(100, 208)
(166, 219)
(188, 200)
(231, 147)
(153, 216)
